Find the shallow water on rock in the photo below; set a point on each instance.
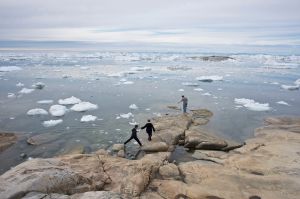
(151, 81)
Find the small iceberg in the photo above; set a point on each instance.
(38, 85)
(283, 103)
(19, 84)
(198, 89)
(88, 118)
(37, 111)
(57, 110)
(181, 90)
(140, 68)
(51, 123)
(209, 78)
(84, 106)
(45, 102)
(290, 87)
(68, 101)
(133, 106)
(11, 95)
(206, 94)
(26, 90)
(297, 82)
(126, 115)
(128, 82)
(9, 68)
(250, 104)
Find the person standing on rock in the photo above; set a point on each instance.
(149, 127)
(184, 101)
(134, 136)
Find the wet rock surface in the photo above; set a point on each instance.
(7, 140)
(266, 166)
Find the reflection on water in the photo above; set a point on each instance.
(152, 81)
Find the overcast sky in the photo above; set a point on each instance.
(250, 22)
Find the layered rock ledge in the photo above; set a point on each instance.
(266, 166)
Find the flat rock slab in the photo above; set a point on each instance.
(118, 147)
(155, 147)
(7, 140)
(42, 138)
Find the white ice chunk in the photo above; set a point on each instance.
(290, 87)
(11, 95)
(51, 123)
(19, 84)
(128, 82)
(252, 105)
(140, 68)
(257, 106)
(9, 68)
(26, 90)
(88, 118)
(133, 106)
(282, 103)
(45, 102)
(57, 110)
(206, 94)
(84, 106)
(133, 123)
(181, 90)
(38, 85)
(297, 82)
(68, 101)
(126, 115)
(84, 68)
(198, 89)
(37, 111)
(210, 78)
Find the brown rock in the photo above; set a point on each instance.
(155, 147)
(7, 140)
(42, 138)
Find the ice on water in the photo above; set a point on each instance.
(37, 111)
(51, 123)
(57, 110)
(84, 106)
(69, 101)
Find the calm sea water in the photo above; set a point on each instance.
(151, 81)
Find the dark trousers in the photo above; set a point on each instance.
(149, 135)
(136, 139)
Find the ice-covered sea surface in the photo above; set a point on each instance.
(240, 90)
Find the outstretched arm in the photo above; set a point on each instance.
(143, 127)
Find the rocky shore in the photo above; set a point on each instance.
(266, 166)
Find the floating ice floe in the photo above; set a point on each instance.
(69, 101)
(209, 78)
(252, 105)
(51, 123)
(198, 89)
(84, 106)
(190, 84)
(140, 68)
(282, 103)
(181, 90)
(133, 106)
(9, 68)
(88, 118)
(84, 68)
(128, 82)
(57, 110)
(45, 102)
(26, 90)
(37, 111)
(297, 82)
(206, 94)
(11, 95)
(133, 123)
(38, 85)
(126, 115)
(290, 87)
(19, 84)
